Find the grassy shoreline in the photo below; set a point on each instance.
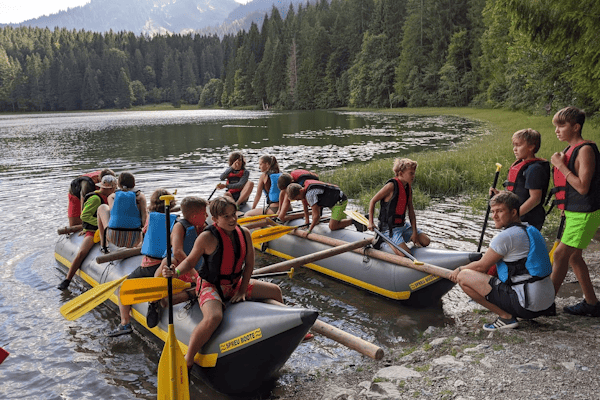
(467, 170)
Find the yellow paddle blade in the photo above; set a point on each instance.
(172, 371)
(551, 254)
(97, 236)
(247, 220)
(264, 235)
(141, 290)
(89, 300)
(358, 217)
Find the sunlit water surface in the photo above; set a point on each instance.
(52, 358)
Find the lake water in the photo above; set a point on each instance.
(52, 358)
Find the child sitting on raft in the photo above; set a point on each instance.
(154, 248)
(228, 264)
(89, 218)
(395, 200)
(183, 236)
(317, 195)
(267, 183)
(121, 220)
(79, 188)
(238, 186)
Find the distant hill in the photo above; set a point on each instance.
(140, 16)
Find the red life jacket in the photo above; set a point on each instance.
(331, 193)
(515, 181)
(393, 213)
(235, 178)
(225, 265)
(301, 175)
(566, 197)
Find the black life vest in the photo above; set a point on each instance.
(393, 213)
(331, 193)
(566, 197)
(234, 177)
(301, 175)
(87, 226)
(225, 265)
(515, 183)
(75, 188)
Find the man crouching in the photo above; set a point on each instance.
(523, 287)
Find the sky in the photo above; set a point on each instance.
(15, 11)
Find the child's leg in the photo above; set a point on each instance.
(582, 273)
(103, 218)
(266, 290)
(212, 314)
(337, 220)
(424, 239)
(124, 312)
(86, 246)
(245, 193)
(562, 254)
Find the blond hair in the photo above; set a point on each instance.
(402, 164)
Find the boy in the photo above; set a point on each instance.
(317, 195)
(79, 188)
(577, 192)
(298, 176)
(92, 201)
(528, 177)
(395, 200)
(183, 236)
(523, 287)
(226, 247)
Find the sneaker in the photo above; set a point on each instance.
(120, 330)
(104, 250)
(153, 314)
(501, 323)
(583, 308)
(64, 284)
(359, 227)
(308, 336)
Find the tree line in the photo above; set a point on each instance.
(515, 54)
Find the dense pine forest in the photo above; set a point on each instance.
(517, 54)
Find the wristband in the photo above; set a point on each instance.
(567, 175)
(177, 272)
(309, 231)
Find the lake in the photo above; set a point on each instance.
(52, 358)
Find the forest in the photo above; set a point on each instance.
(535, 56)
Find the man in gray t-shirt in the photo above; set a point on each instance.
(523, 287)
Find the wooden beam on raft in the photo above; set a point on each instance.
(378, 254)
(69, 229)
(344, 338)
(296, 262)
(119, 255)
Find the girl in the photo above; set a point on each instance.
(238, 186)
(267, 183)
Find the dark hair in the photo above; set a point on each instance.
(190, 204)
(220, 204)
(126, 180)
(158, 205)
(293, 190)
(237, 155)
(572, 115)
(509, 199)
(284, 181)
(531, 137)
(273, 165)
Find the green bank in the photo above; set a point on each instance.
(466, 171)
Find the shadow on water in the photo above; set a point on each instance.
(187, 150)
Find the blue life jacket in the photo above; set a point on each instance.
(125, 214)
(188, 241)
(273, 195)
(155, 240)
(537, 264)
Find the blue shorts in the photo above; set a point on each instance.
(400, 234)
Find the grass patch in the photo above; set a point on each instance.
(423, 368)
(467, 171)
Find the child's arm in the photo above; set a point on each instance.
(384, 192)
(259, 190)
(110, 200)
(316, 214)
(225, 174)
(240, 295)
(585, 164)
(143, 207)
(284, 205)
(535, 198)
(205, 244)
(241, 183)
(413, 220)
(177, 238)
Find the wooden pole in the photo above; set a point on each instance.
(119, 255)
(296, 262)
(378, 254)
(344, 338)
(69, 229)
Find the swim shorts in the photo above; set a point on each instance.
(337, 211)
(208, 291)
(505, 297)
(580, 228)
(74, 209)
(123, 238)
(401, 234)
(144, 272)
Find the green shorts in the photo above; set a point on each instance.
(337, 211)
(580, 228)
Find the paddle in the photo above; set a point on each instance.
(247, 220)
(358, 217)
(275, 232)
(89, 300)
(213, 192)
(289, 273)
(487, 213)
(141, 290)
(172, 368)
(561, 228)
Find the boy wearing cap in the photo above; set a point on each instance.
(89, 218)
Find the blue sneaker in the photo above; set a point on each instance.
(501, 323)
(120, 330)
(583, 308)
